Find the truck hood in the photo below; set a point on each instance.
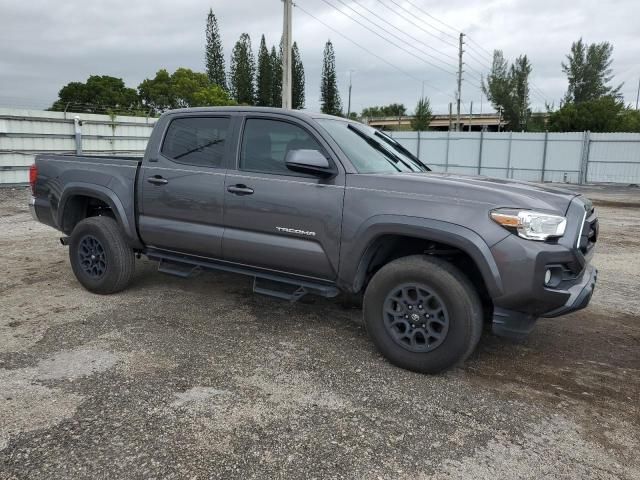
(494, 192)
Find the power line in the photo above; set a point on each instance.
(476, 59)
(371, 53)
(415, 24)
(474, 85)
(430, 16)
(387, 40)
(451, 57)
(490, 55)
(477, 75)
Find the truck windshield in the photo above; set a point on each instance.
(371, 151)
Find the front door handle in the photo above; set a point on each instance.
(157, 180)
(240, 189)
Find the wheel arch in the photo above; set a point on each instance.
(383, 237)
(70, 208)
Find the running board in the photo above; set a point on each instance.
(272, 284)
(182, 270)
(287, 291)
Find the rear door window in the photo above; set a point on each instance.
(198, 141)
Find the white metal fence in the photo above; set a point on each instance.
(575, 157)
(25, 133)
(578, 157)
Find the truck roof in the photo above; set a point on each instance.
(236, 109)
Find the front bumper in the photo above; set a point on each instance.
(517, 325)
(523, 265)
(580, 294)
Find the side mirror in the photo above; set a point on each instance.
(309, 161)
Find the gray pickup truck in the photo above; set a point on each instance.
(307, 203)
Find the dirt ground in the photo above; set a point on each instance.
(199, 378)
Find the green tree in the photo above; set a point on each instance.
(264, 77)
(184, 84)
(391, 110)
(242, 71)
(211, 96)
(519, 79)
(184, 88)
(157, 92)
(97, 95)
(297, 74)
(276, 83)
(507, 88)
(422, 116)
(329, 95)
(214, 56)
(588, 69)
(630, 120)
(604, 114)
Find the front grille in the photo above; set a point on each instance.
(589, 233)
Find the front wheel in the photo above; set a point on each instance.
(100, 257)
(422, 313)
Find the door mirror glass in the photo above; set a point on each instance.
(309, 161)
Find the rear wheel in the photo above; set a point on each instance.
(422, 313)
(100, 257)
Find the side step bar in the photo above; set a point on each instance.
(178, 269)
(272, 284)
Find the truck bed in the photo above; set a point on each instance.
(65, 178)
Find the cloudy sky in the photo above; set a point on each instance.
(45, 44)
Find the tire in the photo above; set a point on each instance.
(437, 291)
(100, 257)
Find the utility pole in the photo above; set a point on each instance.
(349, 101)
(450, 116)
(459, 82)
(470, 115)
(499, 118)
(638, 94)
(286, 55)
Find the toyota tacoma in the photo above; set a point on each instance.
(315, 204)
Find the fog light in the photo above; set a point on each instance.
(547, 277)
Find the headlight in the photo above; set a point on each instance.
(529, 224)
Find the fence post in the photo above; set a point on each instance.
(587, 151)
(584, 157)
(509, 174)
(480, 153)
(544, 155)
(446, 157)
(77, 128)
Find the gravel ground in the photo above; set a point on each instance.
(199, 378)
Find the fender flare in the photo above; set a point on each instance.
(109, 197)
(354, 261)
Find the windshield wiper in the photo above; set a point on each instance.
(387, 155)
(398, 146)
(382, 148)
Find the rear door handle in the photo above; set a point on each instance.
(240, 189)
(157, 180)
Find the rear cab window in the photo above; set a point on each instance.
(198, 141)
